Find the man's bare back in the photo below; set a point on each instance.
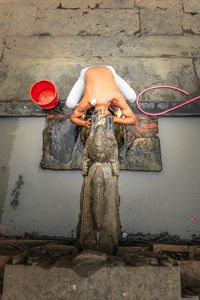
(102, 91)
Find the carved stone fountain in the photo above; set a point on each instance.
(99, 223)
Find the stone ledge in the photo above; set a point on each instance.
(72, 46)
(67, 4)
(98, 4)
(147, 283)
(29, 109)
(17, 75)
(31, 247)
(192, 251)
(88, 22)
(169, 248)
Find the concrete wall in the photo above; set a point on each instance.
(150, 202)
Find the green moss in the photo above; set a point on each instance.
(120, 134)
(84, 134)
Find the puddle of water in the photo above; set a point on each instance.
(8, 130)
(48, 201)
(165, 201)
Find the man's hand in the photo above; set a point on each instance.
(87, 123)
(128, 117)
(76, 116)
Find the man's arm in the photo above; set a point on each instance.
(130, 118)
(78, 113)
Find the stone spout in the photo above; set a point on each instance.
(99, 223)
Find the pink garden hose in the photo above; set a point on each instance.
(168, 110)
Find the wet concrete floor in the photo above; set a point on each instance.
(47, 201)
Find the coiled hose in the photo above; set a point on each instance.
(168, 110)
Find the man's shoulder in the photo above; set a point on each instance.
(84, 104)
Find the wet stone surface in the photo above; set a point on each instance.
(63, 149)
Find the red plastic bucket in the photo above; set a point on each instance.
(44, 94)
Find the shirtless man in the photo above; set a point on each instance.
(102, 91)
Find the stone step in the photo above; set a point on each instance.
(87, 21)
(105, 282)
(85, 4)
(131, 46)
(140, 73)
